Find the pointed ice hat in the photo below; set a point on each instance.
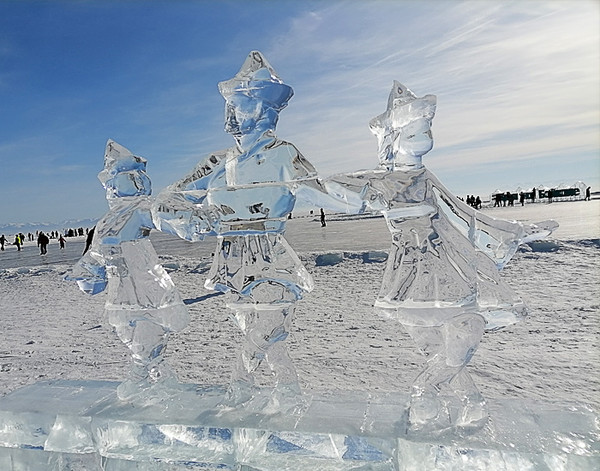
(118, 159)
(404, 106)
(257, 79)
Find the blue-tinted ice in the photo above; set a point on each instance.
(142, 303)
(441, 282)
(244, 195)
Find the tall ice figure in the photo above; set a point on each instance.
(244, 195)
(441, 280)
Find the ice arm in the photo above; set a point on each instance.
(89, 273)
(499, 239)
(378, 190)
(185, 214)
(502, 238)
(352, 193)
(328, 195)
(539, 230)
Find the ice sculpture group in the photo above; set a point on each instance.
(441, 281)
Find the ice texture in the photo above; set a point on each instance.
(81, 425)
(243, 195)
(142, 303)
(441, 279)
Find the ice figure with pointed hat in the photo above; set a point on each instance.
(142, 303)
(243, 195)
(441, 280)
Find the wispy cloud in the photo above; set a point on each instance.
(516, 82)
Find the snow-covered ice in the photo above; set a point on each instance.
(53, 331)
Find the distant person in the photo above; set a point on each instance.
(17, 242)
(497, 200)
(323, 223)
(88, 240)
(533, 194)
(2, 242)
(522, 198)
(478, 202)
(550, 194)
(588, 195)
(61, 241)
(43, 242)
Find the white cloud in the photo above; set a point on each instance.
(515, 81)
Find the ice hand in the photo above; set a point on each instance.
(89, 275)
(178, 214)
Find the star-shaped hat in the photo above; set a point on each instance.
(257, 79)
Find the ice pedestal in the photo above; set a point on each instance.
(80, 425)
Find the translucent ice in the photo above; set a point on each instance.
(441, 280)
(77, 425)
(142, 303)
(244, 195)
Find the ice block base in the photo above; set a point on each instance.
(82, 426)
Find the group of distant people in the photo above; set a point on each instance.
(43, 239)
(19, 239)
(474, 202)
(508, 198)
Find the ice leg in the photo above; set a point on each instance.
(448, 350)
(147, 342)
(265, 329)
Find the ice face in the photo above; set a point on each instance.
(404, 130)
(242, 114)
(124, 174)
(254, 98)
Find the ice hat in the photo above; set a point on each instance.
(257, 79)
(404, 106)
(119, 161)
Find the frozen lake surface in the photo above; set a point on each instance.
(52, 330)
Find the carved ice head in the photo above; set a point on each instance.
(254, 97)
(404, 130)
(124, 174)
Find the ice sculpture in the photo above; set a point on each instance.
(142, 303)
(441, 280)
(243, 195)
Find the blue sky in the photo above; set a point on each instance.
(517, 86)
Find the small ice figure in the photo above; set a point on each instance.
(244, 195)
(441, 280)
(142, 303)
